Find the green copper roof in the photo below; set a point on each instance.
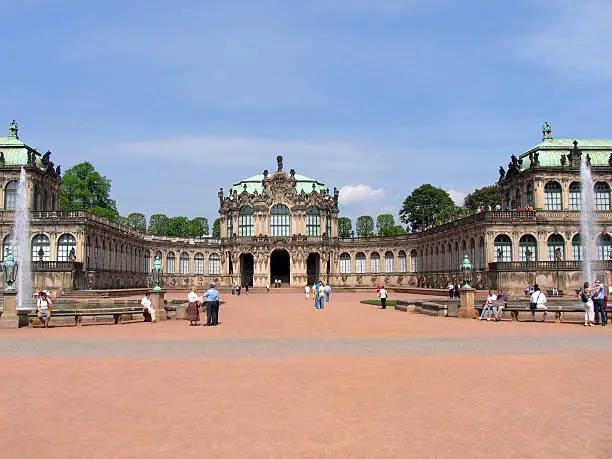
(550, 151)
(14, 150)
(254, 184)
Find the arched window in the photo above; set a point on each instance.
(388, 262)
(556, 247)
(328, 224)
(198, 263)
(41, 248)
(214, 264)
(575, 196)
(552, 196)
(345, 263)
(65, 244)
(502, 246)
(443, 258)
(35, 197)
(530, 195)
(103, 254)
(473, 251)
(375, 262)
(44, 200)
(431, 259)
(528, 248)
(450, 257)
(602, 196)
(184, 263)
(604, 247)
(147, 261)
(482, 258)
(170, 258)
(7, 246)
(457, 256)
(245, 221)
(10, 195)
(230, 223)
(280, 220)
(313, 221)
(360, 263)
(577, 247)
(414, 261)
(436, 258)
(401, 262)
(519, 198)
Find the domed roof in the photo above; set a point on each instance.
(15, 152)
(550, 151)
(254, 183)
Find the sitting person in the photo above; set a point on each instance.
(43, 308)
(487, 305)
(147, 308)
(502, 303)
(538, 301)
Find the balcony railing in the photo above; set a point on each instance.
(522, 266)
(57, 266)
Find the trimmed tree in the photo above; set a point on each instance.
(385, 225)
(426, 206)
(345, 226)
(216, 231)
(137, 222)
(365, 226)
(158, 225)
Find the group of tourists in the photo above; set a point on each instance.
(237, 289)
(494, 304)
(454, 290)
(594, 301)
(320, 293)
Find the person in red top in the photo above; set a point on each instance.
(377, 289)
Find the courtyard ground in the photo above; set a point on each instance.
(280, 379)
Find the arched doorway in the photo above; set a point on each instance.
(280, 266)
(246, 269)
(313, 264)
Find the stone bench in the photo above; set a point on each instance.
(27, 317)
(556, 310)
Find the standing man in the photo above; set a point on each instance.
(321, 295)
(451, 290)
(382, 295)
(212, 306)
(598, 297)
(327, 292)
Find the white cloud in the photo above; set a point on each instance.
(350, 194)
(457, 196)
(570, 36)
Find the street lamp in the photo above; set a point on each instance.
(10, 271)
(466, 269)
(157, 272)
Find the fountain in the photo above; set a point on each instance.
(588, 221)
(20, 244)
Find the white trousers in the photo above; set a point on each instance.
(589, 311)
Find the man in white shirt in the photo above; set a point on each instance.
(382, 295)
(488, 305)
(147, 307)
(538, 301)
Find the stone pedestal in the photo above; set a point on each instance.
(467, 310)
(157, 301)
(9, 318)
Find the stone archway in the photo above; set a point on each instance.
(313, 264)
(247, 268)
(280, 267)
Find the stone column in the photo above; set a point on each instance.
(467, 310)
(538, 195)
(157, 300)
(9, 318)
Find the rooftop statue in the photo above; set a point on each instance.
(13, 130)
(279, 160)
(546, 131)
(502, 173)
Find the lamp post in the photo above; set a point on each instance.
(466, 269)
(156, 273)
(9, 266)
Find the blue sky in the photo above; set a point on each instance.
(172, 100)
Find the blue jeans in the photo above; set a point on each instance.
(486, 308)
(320, 302)
(326, 297)
(600, 310)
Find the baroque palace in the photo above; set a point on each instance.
(284, 226)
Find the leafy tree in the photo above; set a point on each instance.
(137, 222)
(178, 227)
(425, 206)
(385, 225)
(345, 226)
(198, 227)
(399, 229)
(85, 189)
(487, 196)
(159, 225)
(216, 231)
(365, 226)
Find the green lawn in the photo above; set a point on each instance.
(377, 302)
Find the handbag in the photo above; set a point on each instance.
(534, 305)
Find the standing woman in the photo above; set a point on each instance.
(193, 314)
(587, 302)
(43, 308)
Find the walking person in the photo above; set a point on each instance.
(147, 308)
(246, 288)
(307, 291)
(321, 295)
(233, 288)
(457, 291)
(211, 297)
(451, 290)
(193, 312)
(43, 308)
(598, 296)
(537, 300)
(528, 289)
(382, 295)
(327, 292)
(587, 303)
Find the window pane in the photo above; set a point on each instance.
(345, 263)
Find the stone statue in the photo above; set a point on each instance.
(502, 173)
(546, 131)
(610, 160)
(531, 157)
(41, 254)
(58, 171)
(536, 158)
(279, 160)
(72, 254)
(563, 160)
(292, 173)
(265, 173)
(1, 158)
(13, 130)
(587, 160)
(46, 159)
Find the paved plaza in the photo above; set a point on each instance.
(278, 378)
